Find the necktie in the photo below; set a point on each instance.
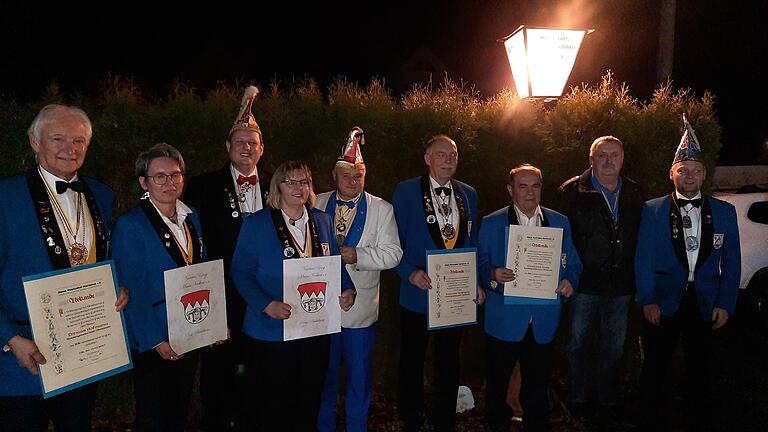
(252, 180)
(444, 191)
(341, 203)
(684, 202)
(76, 186)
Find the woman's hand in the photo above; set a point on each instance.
(167, 353)
(278, 310)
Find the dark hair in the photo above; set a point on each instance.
(157, 151)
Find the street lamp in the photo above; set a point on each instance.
(542, 59)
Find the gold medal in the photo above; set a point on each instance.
(78, 254)
(448, 231)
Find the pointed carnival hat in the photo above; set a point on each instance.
(689, 148)
(351, 157)
(245, 120)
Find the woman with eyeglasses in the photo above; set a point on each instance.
(289, 374)
(159, 234)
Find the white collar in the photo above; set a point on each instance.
(236, 173)
(51, 179)
(678, 195)
(436, 185)
(536, 213)
(302, 220)
(182, 210)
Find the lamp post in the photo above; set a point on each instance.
(542, 59)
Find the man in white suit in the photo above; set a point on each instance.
(367, 236)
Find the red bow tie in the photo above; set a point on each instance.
(249, 179)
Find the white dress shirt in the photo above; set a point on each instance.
(524, 220)
(298, 230)
(454, 217)
(252, 194)
(68, 201)
(695, 230)
(177, 229)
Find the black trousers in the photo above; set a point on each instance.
(222, 384)
(285, 391)
(414, 337)
(70, 411)
(162, 389)
(535, 368)
(659, 344)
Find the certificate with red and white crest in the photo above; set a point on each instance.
(196, 305)
(312, 286)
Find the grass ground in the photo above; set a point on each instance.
(739, 396)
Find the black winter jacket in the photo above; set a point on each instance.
(607, 251)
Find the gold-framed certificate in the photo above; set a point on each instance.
(534, 254)
(75, 326)
(453, 273)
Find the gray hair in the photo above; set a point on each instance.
(439, 137)
(602, 139)
(157, 151)
(524, 167)
(49, 112)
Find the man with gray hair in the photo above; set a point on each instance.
(519, 328)
(368, 241)
(604, 210)
(50, 219)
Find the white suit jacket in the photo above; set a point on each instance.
(378, 249)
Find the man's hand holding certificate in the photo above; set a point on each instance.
(453, 293)
(534, 257)
(80, 336)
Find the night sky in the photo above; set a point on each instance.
(718, 47)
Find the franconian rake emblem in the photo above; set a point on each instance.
(312, 296)
(196, 306)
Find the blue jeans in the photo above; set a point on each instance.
(610, 313)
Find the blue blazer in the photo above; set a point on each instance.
(24, 251)
(257, 269)
(661, 264)
(412, 212)
(509, 322)
(141, 256)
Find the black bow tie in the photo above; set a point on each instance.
(681, 202)
(342, 203)
(76, 186)
(444, 191)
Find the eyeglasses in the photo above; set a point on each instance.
(294, 183)
(161, 179)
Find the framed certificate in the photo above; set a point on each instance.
(75, 326)
(196, 305)
(312, 286)
(453, 273)
(535, 255)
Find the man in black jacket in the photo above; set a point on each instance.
(604, 210)
(223, 198)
